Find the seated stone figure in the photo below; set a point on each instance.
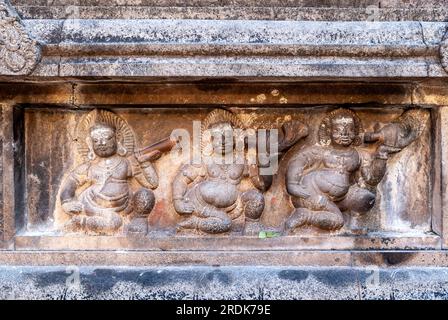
(208, 194)
(333, 176)
(97, 194)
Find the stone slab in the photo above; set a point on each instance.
(75, 93)
(189, 48)
(309, 258)
(174, 258)
(217, 243)
(252, 283)
(387, 10)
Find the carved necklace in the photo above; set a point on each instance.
(108, 167)
(110, 164)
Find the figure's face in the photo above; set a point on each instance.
(343, 131)
(222, 138)
(104, 141)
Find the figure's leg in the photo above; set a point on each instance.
(106, 222)
(317, 210)
(323, 214)
(214, 221)
(325, 220)
(75, 224)
(209, 220)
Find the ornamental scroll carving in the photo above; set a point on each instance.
(19, 53)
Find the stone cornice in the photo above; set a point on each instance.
(238, 49)
(19, 52)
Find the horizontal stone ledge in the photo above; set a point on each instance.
(81, 93)
(388, 10)
(172, 31)
(423, 258)
(259, 68)
(237, 49)
(234, 243)
(233, 3)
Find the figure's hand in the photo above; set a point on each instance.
(73, 207)
(298, 190)
(389, 149)
(152, 156)
(183, 206)
(383, 151)
(294, 130)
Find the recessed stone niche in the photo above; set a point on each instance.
(49, 150)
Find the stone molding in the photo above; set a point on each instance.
(157, 48)
(238, 49)
(443, 51)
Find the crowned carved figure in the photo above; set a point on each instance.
(335, 175)
(208, 194)
(99, 195)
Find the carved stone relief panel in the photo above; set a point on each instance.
(336, 176)
(160, 172)
(208, 193)
(98, 195)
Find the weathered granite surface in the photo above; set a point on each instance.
(159, 46)
(231, 283)
(237, 49)
(324, 10)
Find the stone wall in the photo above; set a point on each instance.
(111, 110)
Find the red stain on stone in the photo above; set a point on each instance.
(160, 217)
(157, 213)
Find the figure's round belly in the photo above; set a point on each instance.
(220, 194)
(112, 189)
(332, 183)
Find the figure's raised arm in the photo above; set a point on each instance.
(390, 139)
(261, 182)
(146, 174)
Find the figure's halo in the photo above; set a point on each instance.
(123, 131)
(219, 116)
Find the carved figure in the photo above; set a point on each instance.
(208, 193)
(334, 176)
(97, 194)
